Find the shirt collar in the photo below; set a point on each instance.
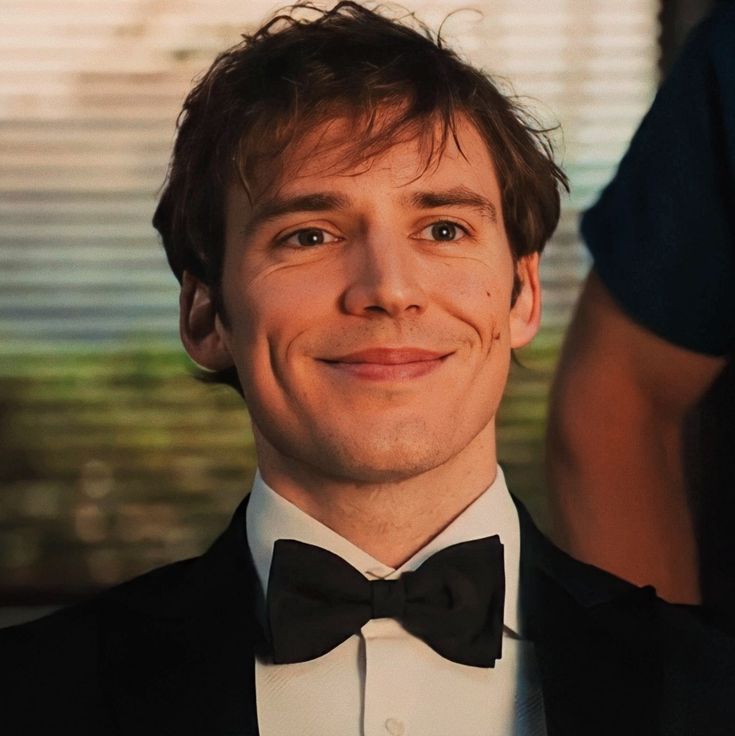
(270, 517)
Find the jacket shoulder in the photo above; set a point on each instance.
(77, 625)
(50, 667)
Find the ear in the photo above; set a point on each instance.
(200, 327)
(525, 314)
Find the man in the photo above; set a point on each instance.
(634, 451)
(356, 217)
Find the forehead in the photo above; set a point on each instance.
(341, 148)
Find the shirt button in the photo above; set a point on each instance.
(395, 727)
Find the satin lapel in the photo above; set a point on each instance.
(178, 652)
(597, 642)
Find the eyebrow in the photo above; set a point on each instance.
(270, 209)
(455, 197)
(460, 196)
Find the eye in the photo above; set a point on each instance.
(308, 237)
(443, 231)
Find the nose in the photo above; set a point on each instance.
(385, 279)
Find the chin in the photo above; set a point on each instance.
(369, 450)
(384, 458)
(370, 472)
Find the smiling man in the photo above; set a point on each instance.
(355, 216)
(367, 308)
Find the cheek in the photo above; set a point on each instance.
(246, 336)
(261, 305)
(290, 293)
(481, 299)
(271, 322)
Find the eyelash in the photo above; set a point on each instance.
(294, 233)
(463, 231)
(331, 238)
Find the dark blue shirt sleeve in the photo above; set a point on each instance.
(662, 234)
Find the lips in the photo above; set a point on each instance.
(390, 356)
(384, 363)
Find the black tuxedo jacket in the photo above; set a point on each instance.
(171, 653)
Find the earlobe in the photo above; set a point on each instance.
(200, 327)
(525, 314)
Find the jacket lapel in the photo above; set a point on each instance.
(177, 647)
(597, 642)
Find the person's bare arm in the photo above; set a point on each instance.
(614, 463)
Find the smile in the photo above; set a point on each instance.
(388, 364)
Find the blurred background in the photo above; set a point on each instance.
(113, 459)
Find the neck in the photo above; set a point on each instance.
(390, 520)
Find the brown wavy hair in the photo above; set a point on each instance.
(305, 66)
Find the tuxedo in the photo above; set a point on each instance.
(172, 652)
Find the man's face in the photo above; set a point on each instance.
(369, 308)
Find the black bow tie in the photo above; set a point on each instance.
(454, 601)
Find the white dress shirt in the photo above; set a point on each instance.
(385, 681)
